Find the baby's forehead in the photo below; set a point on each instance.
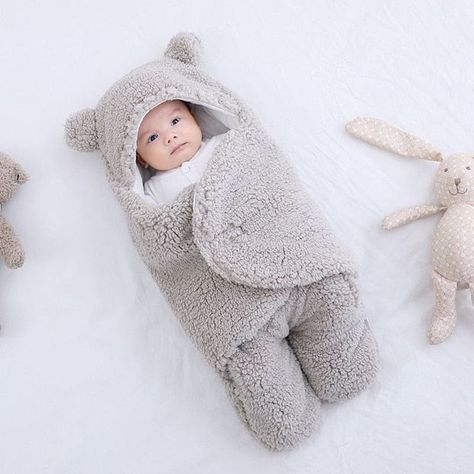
(163, 109)
(169, 104)
(160, 112)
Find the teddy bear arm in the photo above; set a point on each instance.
(10, 246)
(404, 216)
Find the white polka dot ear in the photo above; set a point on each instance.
(386, 136)
(81, 131)
(185, 47)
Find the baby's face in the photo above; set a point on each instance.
(164, 128)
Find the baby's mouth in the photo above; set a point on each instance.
(178, 147)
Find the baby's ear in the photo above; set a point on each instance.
(81, 131)
(185, 47)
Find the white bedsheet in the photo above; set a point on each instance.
(96, 375)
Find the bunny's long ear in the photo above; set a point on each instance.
(386, 136)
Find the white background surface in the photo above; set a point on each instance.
(96, 375)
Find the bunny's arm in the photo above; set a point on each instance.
(404, 216)
(10, 247)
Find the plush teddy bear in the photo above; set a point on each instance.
(11, 175)
(453, 241)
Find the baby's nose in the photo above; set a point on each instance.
(171, 137)
(457, 181)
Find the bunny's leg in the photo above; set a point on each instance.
(444, 317)
(269, 389)
(333, 341)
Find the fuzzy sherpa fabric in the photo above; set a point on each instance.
(11, 176)
(244, 257)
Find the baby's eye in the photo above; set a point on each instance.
(174, 120)
(445, 169)
(468, 167)
(152, 138)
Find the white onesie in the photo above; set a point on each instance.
(164, 186)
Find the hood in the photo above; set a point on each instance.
(112, 125)
(248, 216)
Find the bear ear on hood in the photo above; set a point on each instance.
(81, 131)
(185, 47)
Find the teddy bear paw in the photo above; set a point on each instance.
(15, 259)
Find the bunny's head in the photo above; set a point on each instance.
(454, 180)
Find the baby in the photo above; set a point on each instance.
(242, 255)
(170, 141)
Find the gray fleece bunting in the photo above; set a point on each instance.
(229, 251)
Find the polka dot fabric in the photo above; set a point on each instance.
(453, 245)
(383, 135)
(407, 215)
(453, 241)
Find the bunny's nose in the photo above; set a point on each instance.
(457, 181)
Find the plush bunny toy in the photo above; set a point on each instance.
(11, 175)
(453, 241)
